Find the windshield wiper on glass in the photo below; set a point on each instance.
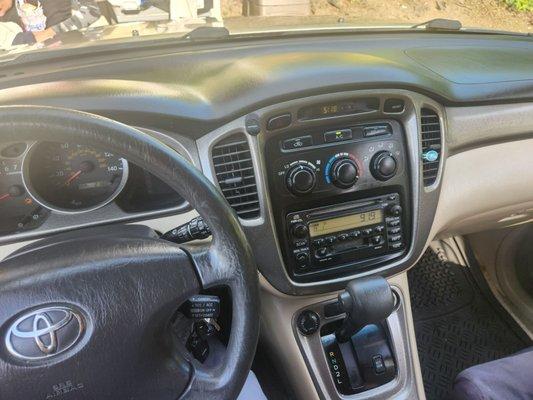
(440, 24)
(207, 33)
(453, 25)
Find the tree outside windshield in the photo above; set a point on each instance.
(35, 24)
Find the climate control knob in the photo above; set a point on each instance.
(301, 179)
(344, 173)
(383, 166)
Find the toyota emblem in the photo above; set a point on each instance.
(44, 333)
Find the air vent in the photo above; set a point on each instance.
(431, 145)
(235, 175)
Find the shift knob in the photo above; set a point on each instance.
(365, 301)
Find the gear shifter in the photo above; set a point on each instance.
(365, 301)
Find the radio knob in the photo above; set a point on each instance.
(394, 210)
(301, 179)
(344, 173)
(383, 166)
(299, 231)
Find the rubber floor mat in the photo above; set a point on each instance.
(456, 325)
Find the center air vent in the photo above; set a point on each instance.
(431, 145)
(234, 171)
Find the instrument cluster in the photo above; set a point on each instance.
(38, 179)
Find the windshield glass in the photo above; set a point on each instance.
(35, 24)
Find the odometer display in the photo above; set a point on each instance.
(69, 177)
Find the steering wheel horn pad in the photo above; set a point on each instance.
(125, 284)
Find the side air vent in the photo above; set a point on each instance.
(431, 145)
(235, 175)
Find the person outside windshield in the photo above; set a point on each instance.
(28, 22)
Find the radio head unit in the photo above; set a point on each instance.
(345, 236)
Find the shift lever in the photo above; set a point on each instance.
(365, 301)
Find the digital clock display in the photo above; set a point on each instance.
(328, 110)
(348, 107)
(328, 226)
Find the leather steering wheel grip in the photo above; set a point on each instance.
(227, 262)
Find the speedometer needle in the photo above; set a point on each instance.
(5, 196)
(73, 177)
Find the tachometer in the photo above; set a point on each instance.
(73, 178)
(18, 211)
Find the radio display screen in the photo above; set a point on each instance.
(327, 226)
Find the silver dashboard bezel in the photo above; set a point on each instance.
(402, 386)
(110, 213)
(26, 181)
(424, 200)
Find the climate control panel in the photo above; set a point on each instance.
(315, 170)
(317, 166)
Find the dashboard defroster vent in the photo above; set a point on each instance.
(431, 145)
(234, 171)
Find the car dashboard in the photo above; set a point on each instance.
(332, 150)
(344, 155)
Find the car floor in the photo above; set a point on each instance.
(274, 385)
(458, 323)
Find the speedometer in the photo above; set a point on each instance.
(73, 178)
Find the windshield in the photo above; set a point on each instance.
(36, 24)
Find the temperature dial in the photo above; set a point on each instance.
(344, 173)
(301, 178)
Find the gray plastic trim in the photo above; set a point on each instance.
(402, 387)
(261, 231)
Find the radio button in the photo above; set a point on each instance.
(379, 229)
(377, 239)
(300, 243)
(321, 252)
(396, 238)
(396, 246)
(331, 239)
(343, 237)
(393, 223)
(395, 210)
(367, 232)
(302, 258)
(318, 242)
(395, 231)
(299, 231)
(355, 234)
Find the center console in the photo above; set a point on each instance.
(340, 197)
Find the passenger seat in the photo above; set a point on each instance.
(510, 378)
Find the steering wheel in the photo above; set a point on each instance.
(102, 299)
